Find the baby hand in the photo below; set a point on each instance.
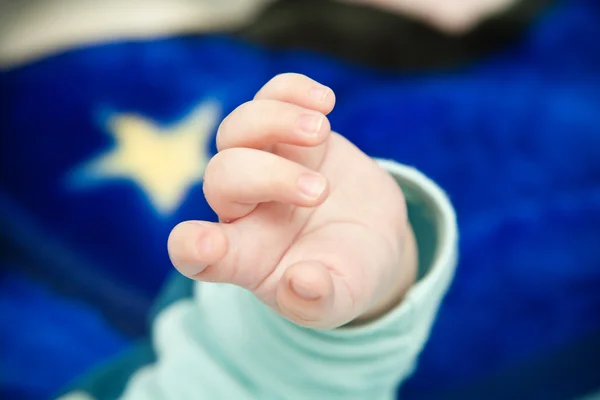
(308, 223)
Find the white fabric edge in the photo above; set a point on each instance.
(34, 29)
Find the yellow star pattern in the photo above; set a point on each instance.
(165, 162)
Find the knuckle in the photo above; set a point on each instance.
(244, 107)
(281, 84)
(215, 164)
(283, 78)
(211, 173)
(242, 118)
(219, 141)
(239, 112)
(215, 179)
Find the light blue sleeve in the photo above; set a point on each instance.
(225, 344)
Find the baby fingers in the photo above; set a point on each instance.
(300, 90)
(259, 124)
(238, 179)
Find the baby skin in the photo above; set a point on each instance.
(313, 235)
(308, 223)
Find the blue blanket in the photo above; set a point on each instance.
(514, 139)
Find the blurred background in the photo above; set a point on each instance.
(497, 100)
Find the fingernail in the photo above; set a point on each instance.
(310, 123)
(303, 291)
(312, 185)
(319, 93)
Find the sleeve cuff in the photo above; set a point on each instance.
(382, 353)
(424, 298)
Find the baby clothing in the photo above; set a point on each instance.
(223, 343)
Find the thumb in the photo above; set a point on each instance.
(224, 252)
(309, 295)
(195, 245)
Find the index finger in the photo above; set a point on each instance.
(300, 90)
